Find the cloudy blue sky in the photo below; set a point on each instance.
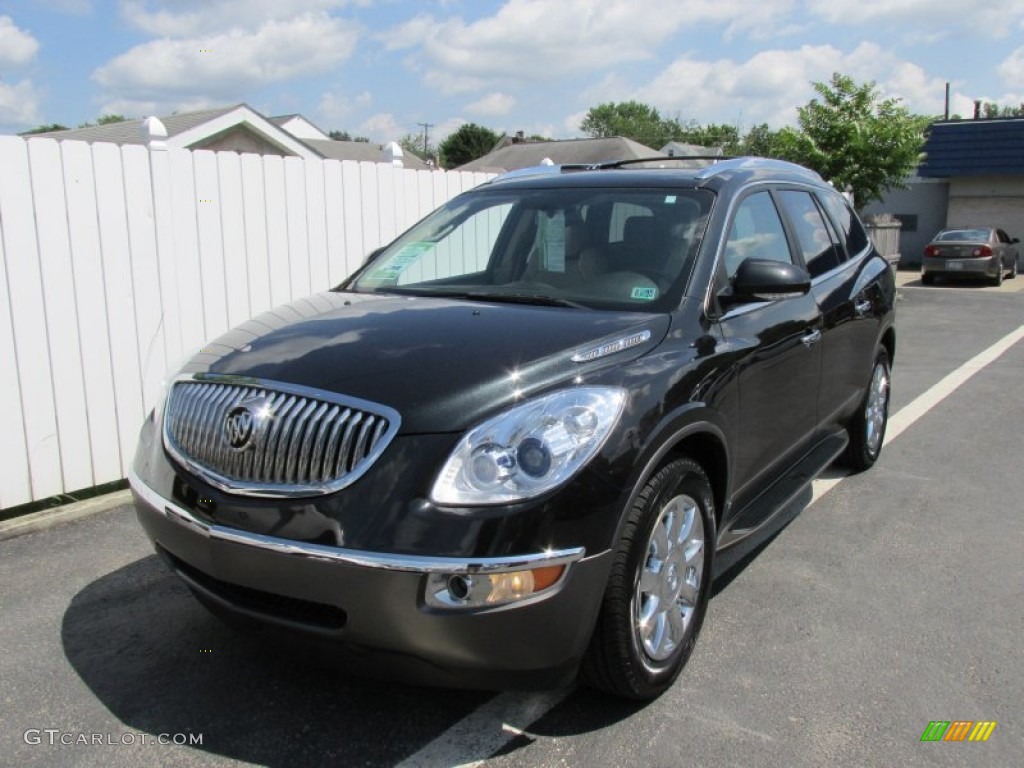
(380, 67)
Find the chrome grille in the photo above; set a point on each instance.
(297, 441)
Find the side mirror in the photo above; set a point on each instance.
(768, 280)
(1014, 239)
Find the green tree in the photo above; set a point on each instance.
(467, 143)
(854, 138)
(44, 129)
(632, 120)
(345, 136)
(759, 141)
(413, 144)
(104, 120)
(713, 135)
(990, 109)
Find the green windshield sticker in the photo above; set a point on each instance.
(397, 264)
(670, 199)
(644, 293)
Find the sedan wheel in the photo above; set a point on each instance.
(658, 589)
(998, 279)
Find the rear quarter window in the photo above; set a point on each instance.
(849, 225)
(819, 251)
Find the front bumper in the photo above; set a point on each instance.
(367, 610)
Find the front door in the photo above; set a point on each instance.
(776, 348)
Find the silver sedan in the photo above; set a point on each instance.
(984, 252)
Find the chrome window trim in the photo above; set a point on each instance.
(771, 184)
(353, 557)
(278, 490)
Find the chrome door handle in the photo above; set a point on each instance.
(862, 307)
(812, 338)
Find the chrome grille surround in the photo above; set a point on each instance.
(303, 441)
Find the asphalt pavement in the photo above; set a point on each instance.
(893, 601)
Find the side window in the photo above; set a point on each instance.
(849, 224)
(756, 232)
(1003, 237)
(819, 251)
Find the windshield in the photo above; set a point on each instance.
(596, 248)
(963, 235)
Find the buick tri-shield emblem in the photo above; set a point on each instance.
(240, 426)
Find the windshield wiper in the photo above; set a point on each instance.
(536, 299)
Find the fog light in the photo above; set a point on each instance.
(459, 587)
(458, 590)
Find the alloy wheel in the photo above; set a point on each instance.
(668, 590)
(876, 409)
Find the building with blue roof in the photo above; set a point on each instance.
(972, 175)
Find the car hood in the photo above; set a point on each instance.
(443, 364)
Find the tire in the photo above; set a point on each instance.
(673, 516)
(998, 279)
(867, 426)
(927, 279)
(1013, 270)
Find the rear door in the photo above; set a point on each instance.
(845, 301)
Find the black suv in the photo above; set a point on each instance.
(521, 441)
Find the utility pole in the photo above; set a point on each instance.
(426, 129)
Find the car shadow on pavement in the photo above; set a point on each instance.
(162, 665)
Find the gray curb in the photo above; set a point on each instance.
(47, 518)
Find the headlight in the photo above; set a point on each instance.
(529, 449)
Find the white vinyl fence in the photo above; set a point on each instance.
(116, 261)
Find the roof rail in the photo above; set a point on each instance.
(756, 163)
(538, 170)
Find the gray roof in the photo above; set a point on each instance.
(527, 154)
(360, 151)
(130, 131)
(682, 149)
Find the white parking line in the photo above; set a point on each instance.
(485, 730)
(488, 728)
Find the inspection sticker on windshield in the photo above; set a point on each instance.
(644, 293)
(398, 263)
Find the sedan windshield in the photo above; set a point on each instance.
(569, 247)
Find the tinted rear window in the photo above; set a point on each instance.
(849, 225)
(819, 251)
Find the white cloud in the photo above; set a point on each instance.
(445, 129)
(537, 40)
(991, 18)
(769, 86)
(571, 124)
(161, 107)
(225, 63)
(186, 18)
(1011, 70)
(382, 127)
(16, 45)
(493, 104)
(19, 106)
(333, 109)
